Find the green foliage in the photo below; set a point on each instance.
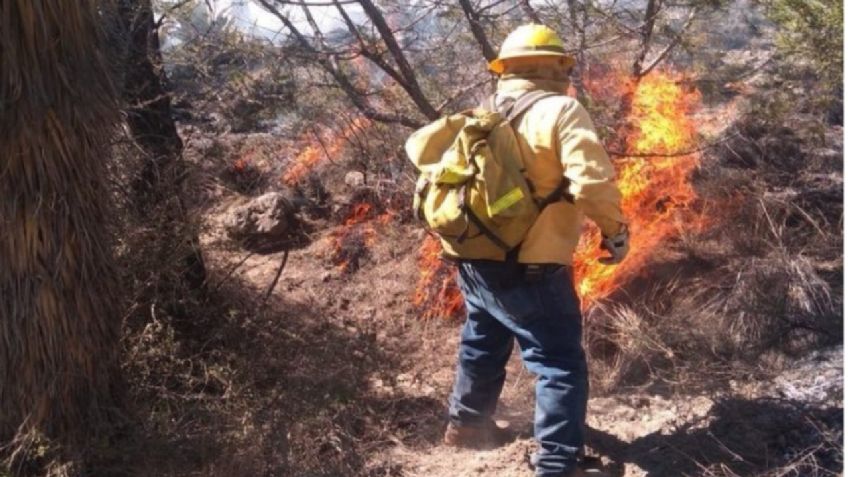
(811, 33)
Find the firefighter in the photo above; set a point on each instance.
(530, 296)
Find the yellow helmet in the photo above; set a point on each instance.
(530, 40)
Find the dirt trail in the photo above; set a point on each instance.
(638, 432)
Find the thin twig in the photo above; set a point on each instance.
(231, 271)
(323, 146)
(688, 152)
(273, 284)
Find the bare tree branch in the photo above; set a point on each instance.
(477, 30)
(530, 12)
(461, 93)
(412, 88)
(316, 4)
(354, 95)
(319, 36)
(578, 22)
(674, 42)
(367, 51)
(646, 33)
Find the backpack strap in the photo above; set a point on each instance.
(525, 102)
(561, 192)
(481, 226)
(514, 110)
(472, 218)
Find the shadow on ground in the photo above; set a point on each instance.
(287, 389)
(737, 437)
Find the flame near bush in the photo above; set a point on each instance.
(654, 182)
(436, 293)
(656, 196)
(327, 143)
(353, 239)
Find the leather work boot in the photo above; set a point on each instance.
(588, 467)
(487, 436)
(580, 472)
(584, 472)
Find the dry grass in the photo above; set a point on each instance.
(287, 389)
(765, 281)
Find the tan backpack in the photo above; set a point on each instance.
(472, 190)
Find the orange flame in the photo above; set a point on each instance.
(356, 235)
(656, 193)
(244, 162)
(436, 292)
(326, 144)
(352, 239)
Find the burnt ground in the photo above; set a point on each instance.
(336, 373)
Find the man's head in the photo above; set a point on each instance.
(532, 47)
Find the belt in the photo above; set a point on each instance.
(529, 272)
(534, 272)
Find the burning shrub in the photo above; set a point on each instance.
(436, 293)
(327, 144)
(357, 233)
(243, 174)
(764, 279)
(352, 239)
(657, 196)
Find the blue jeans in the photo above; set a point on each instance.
(542, 313)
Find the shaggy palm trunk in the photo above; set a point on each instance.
(59, 321)
(157, 190)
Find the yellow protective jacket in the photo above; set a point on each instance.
(558, 137)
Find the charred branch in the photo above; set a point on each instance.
(646, 34)
(369, 51)
(674, 42)
(579, 20)
(149, 106)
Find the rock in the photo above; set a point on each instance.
(267, 219)
(354, 179)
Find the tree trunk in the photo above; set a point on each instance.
(158, 189)
(59, 318)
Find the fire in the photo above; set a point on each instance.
(352, 239)
(240, 165)
(327, 144)
(654, 182)
(436, 293)
(356, 235)
(656, 196)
